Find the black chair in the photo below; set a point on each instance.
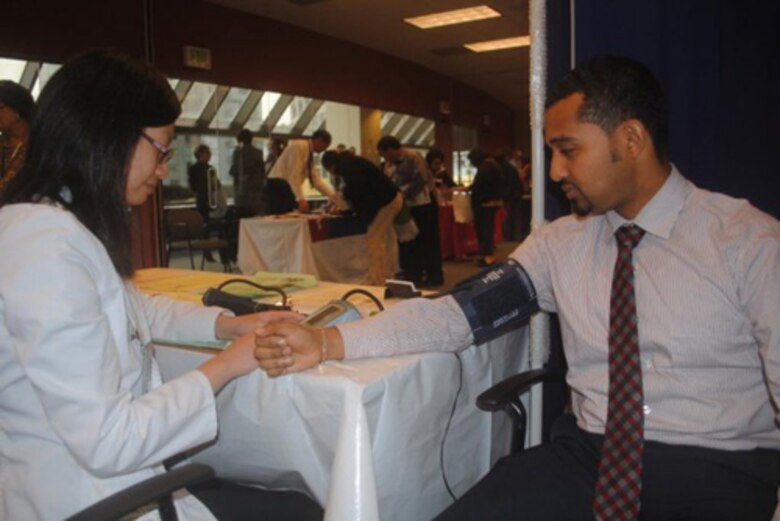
(505, 396)
(185, 229)
(158, 489)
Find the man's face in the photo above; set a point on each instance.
(319, 145)
(391, 155)
(7, 117)
(588, 163)
(204, 156)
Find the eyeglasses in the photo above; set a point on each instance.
(166, 153)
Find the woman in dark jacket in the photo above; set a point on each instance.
(376, 201)
(485, 201)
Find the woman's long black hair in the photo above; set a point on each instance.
(88, 121)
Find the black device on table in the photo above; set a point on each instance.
(242, 305)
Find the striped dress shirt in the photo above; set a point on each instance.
(707, 278)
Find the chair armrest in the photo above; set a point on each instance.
(505, 391)
(148, 491)
(505, 396)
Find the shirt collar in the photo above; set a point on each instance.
(660, 214)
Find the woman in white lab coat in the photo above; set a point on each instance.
(83, 412)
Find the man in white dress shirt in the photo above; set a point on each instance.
(296, 165)
(706, 279)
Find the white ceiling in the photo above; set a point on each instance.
(378, 24)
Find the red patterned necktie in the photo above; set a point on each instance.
(619, 482)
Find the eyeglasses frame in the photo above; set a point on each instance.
(166, 153)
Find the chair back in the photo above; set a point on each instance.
(183, 224)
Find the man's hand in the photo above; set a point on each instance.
(229, 327)
(286, 347)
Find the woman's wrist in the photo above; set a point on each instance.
(224, 327)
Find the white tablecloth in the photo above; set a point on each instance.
(362, 437)
(285, 245)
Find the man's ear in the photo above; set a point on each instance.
(635, 137)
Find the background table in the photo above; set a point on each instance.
(459, 239)
(331, 248)
(362, 437)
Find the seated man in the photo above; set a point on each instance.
(668, 297)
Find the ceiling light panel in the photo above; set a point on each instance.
(497, 45)
(458, 16)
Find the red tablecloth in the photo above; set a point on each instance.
(458, 239)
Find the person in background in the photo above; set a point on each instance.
(16, 112)
(248, 172)
(275, 147)
(296, 165)
(198, 175)
(85, 413)
(669, 298)
(336, 181)
(442, 178)
(524, 168)
(209, 197)
(420, 258)
(512, 195)
(486, 192)
(375, 201)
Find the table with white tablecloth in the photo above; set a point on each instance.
(362, 437)
(332, 248)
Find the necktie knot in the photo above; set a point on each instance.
(628, 236)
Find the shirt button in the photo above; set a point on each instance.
(647, 410)
(647, 362)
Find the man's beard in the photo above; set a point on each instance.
(581, 210)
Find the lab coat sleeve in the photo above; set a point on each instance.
(62, 301)
(177, 320)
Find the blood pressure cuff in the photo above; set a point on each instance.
(497, 300)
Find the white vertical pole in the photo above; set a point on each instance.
(540, 336)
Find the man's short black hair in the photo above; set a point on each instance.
(477, 156)
(615, 89)
(323, 135)
(245, 136)
(17, 98)
(388, 142)
(201, 149)
(433, 154)
(330, 159)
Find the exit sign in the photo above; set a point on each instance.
(197, 57)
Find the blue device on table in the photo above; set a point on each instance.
(333, 313)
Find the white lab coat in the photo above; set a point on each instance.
(293, 167)
(76, 421)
